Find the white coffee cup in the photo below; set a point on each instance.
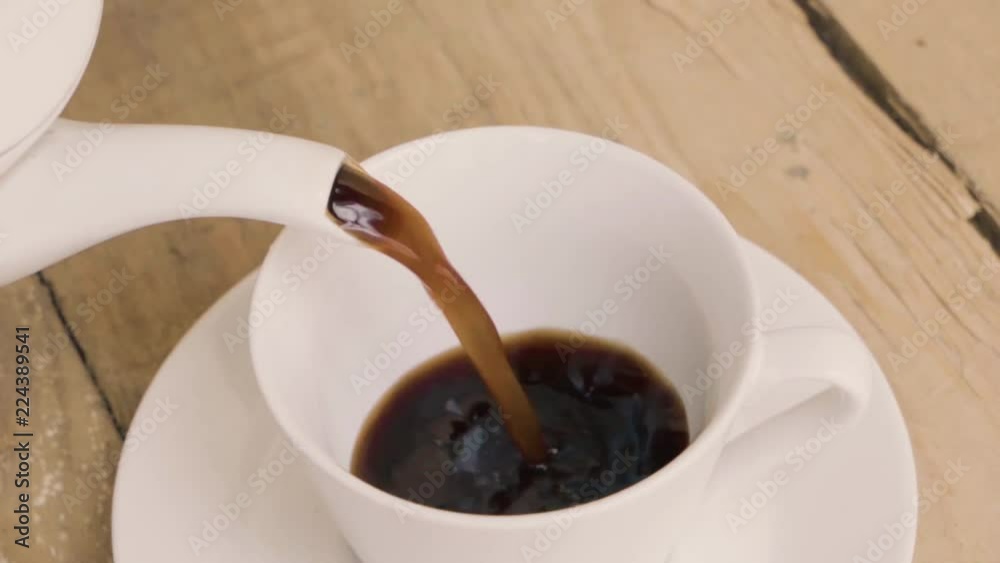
(552, 229)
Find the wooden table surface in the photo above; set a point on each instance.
(885, 194)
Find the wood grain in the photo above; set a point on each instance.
(75, 447)
(878, 222)
(940, 60)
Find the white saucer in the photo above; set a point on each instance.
(179, 468)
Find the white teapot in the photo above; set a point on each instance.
(66, 185)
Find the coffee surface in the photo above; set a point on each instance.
(439, 438)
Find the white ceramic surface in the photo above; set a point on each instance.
(47, 46)
(67, 185)
(623, 247)
(84, 183)
(177, 471)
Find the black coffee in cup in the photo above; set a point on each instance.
(535, 424)
(438, 438)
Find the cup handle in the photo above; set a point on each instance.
(766, 432)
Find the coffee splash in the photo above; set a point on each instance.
(610, 420)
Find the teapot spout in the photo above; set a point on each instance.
(83, 183)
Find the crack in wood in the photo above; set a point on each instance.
(865, 73)
(57, 305)
(987, 226)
